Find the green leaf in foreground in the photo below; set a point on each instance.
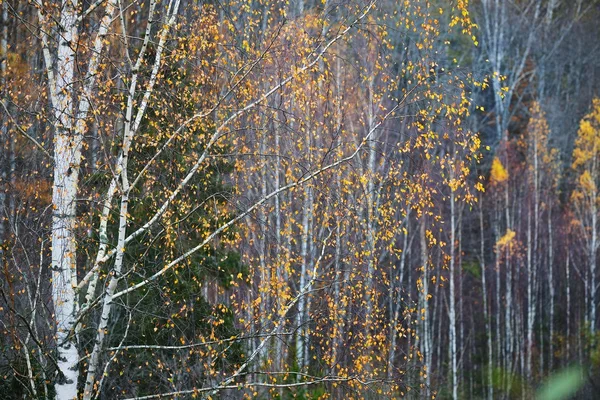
(561, 385)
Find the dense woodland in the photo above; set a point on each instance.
(361, 199)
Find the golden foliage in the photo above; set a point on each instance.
(586, 183)
(585, 158)
(498, 173)
(588, 137)
(507, 239)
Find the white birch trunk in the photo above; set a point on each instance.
(94, 362)
(310, 259)
(497, 40)
(452, 311)
(532, 256)
(264, 286)
(130, 127)
(68, 141)
(281, 275)
(488, 332)
(300, 316)
(536, 230)
(568, 316)
(592, 265)
(542, 363)
(338, 289)
(462, 346)
(93, 275)
(67, 158)
(498, 310)
(551, 283)
(508, 304)
(425, 336)
(371, 212)
(397, 302)
(531, 306)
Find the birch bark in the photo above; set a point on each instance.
(488, 331)
(69, 129)
(67, 158)
(425, 335)
(452, 312)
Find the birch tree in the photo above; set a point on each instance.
(70, 120)
(585, 198)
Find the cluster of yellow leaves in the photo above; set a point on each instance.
(498, 173)
(586, 157)
(506, 240)
(587, 143)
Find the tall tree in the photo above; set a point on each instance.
(585, 198)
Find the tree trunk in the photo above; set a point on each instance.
(67, 159)
(488, 332)
(452, 311)
(551, 284)
(568, 316)
(300, 317)
(531, 305)
(592, 266)
(425, 342)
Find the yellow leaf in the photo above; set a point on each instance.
(506, 239)
(498, 173)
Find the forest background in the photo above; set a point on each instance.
(299, 199)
